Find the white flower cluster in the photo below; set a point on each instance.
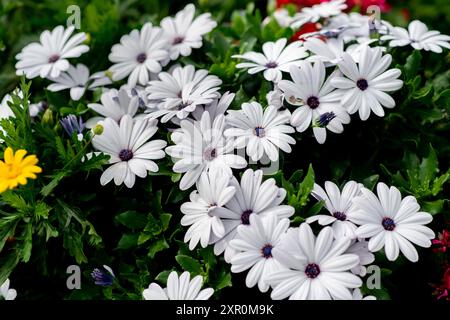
(323, 78)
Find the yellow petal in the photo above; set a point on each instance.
(9, 155)
(19, 156)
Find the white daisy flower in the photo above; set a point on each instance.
(179, 288)
(76, 79)
(417, 36)
(260, 132)
(357, 295)
(180, 92)
(6, 292)
(131, 153)
(276, 58)
(319, 268)
(317, 12)
(138, 54)
(360, 247)
(365, 84)
(391, 222)
(213, 190)
(200, 145)
(338, 205)
(49, 57)
(114, 104)
(137, 91)
(184, 32)
(317, 102)
(252, 197)
(254, 247)
(215, 108)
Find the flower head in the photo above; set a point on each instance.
(16, 169)
(179, 288)
(104, 277)
(442, 242)
(72, 124)
(49, 57)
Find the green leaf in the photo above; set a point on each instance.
(223, 281)
(157, 246)
(189, 264)
(128, 241)
(27, 243)
(433, 207)
(306, 186)
(162, 277)
(412, 64)
(371, 181)
(132, 219)
(428, 167)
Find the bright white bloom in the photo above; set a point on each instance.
(277, 58)
(180, 92)
(365, 84)
(215, 108)
(184, 32)
(319, 268)
(254, 247)
(6, 292)
(417, 36)
(318, 11)
(76, 79)
(114, 104)
(182, 288)
(49, 57)
(361, 249)
(200, 145)
(260, 132)
(317, 102)
(213, 190)
(338, 205)
(357, 295)
(138, 54)
(131, 153)
(391, 222)
(252, 197)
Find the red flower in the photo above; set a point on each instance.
(442, 241)
(442, 291)
(306, 28)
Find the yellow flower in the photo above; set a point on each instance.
(16, 169)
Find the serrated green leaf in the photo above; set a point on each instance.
(189, 264)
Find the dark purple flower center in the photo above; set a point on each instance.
(245, 217)
(325, 119)
(210, 154)
(141, 58)
(388, 224)
(340, 216)
(178, 40)
(362, 84)
(312, 270)
(259, 132)
(126, 155)
(53, 58)
(313, 102)
(271, 65)
(266, 251)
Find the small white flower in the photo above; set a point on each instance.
(114, 104)
(184, 32)
(360, 247)
(275, 98)
(76, 79)
(49, 57)
(365, 84)
(179, 288)
(417, 36)
(200, 145)
(260, 132)
(180, 92)
(6, 292)
(357, 295)
(254, 247)
(213, 190)
(131, 153)
(318, 11)
(391, 222)
(277, 58)
(319, 268)
(138, 54)
(252, 197)
(314, 96)
(338, 205)
(215, 108)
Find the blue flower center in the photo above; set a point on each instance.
(53, 58)
(260, 132)
(126, 155)
(271, 64)
(210, 154)
(388, 224)
(313, 102)
(141, 58)
(245, 217)
(178, 40)
(266, 251)
(312, 270)
(362, 84)
(340, 216)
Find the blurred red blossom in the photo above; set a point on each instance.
(443, 289)
(442, 242)
(306, 28)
